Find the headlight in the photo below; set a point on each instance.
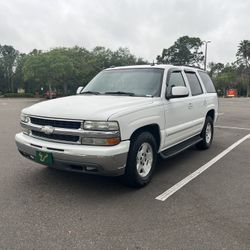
(102, 126)
(24, 118)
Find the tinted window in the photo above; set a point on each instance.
(207, 82)
(176, 79)
(194, 83)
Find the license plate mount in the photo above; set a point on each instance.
(45, 158)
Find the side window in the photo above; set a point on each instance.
(176, 79)
(194, 83)
(209, 86)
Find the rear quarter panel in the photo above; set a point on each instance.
(212, 103)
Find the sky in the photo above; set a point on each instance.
(144, 26)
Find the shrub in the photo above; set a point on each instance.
(19, 95)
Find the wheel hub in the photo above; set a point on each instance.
(144, 159)
(208, 133)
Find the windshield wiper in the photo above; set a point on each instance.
(119, 93)
(90, 92)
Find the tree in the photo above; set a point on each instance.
(83, 66)
(141, 61)
(243, 53)
(2, 82)
(122, 57)
(67, 68)
(61, 68)
(35, 69)
(226, 78)
(102, 57)
(8, 56)
(18, 78)
(243, 58)
(49, 69)
(215, 68)
(185, 51)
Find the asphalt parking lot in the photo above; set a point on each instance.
(41, 208)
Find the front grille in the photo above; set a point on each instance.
(57, 137)
(56, 123)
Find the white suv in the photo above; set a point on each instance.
(121, 121)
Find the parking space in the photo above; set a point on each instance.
(42, 208)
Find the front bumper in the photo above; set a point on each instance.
(104, 160)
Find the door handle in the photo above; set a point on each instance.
(190, 105)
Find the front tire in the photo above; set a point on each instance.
(141, 160)
(207, 134)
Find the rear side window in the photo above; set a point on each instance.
(209, 86)
(194, 83)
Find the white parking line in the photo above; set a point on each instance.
(186, 180)
(239, 128)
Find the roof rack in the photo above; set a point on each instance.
(191, 66)
(178, 65)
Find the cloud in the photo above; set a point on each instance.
(146, 27)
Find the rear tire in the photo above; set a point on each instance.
(141, 160)
(206, 134)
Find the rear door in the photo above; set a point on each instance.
(197, 102)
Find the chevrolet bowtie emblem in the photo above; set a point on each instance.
(48, 130)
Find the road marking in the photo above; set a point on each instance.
(239, 128)
(186, 180)
(219, 114)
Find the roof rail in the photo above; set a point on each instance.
(191, 66)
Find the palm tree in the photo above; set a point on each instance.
(243, 53)
(243, 58)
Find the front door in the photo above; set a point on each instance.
(178, 117)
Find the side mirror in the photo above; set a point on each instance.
(79, 89)
(179, 91)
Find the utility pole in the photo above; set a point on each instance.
(205, 59)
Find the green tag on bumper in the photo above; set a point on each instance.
(44, 158)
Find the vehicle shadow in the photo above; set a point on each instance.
(179, 166)
(174, 162)
(57, 183)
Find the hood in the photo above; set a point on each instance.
(87, 107)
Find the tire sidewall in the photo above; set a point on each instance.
(208, 120)
(131, 169)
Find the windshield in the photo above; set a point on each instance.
(133, 82)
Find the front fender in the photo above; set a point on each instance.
(130, 121)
